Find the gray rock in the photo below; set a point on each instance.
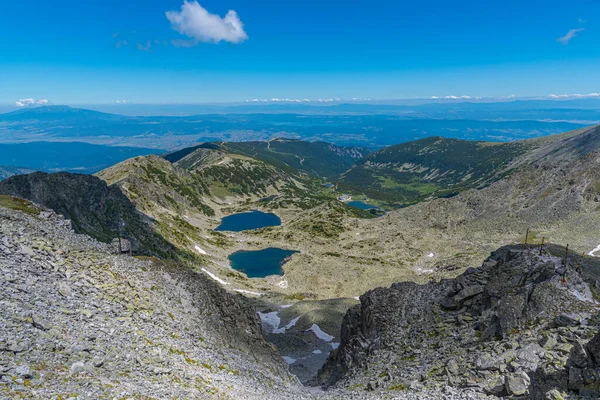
(494, 385)
(24, 372)
(566, 320)
(80, 367)
(487, 362)
(39, 323)
(517, 384)
(452, 366)
(467, 293)
(97, 362)
(579, 356)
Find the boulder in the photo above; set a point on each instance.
(517, 384)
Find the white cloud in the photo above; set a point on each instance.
(31, 102)
(196, 22)
(145, 47)
(122, 43)
(570, 35)
(463, 97)
(573, 96)
(279, 100)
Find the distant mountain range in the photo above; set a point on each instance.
(65, 156)
(372, 126)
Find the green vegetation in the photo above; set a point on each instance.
(428, 168)
(15, 203)
(316, 158)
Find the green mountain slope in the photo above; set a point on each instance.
(433, 167)
(317, 158)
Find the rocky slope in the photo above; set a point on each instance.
(94, 208)
(554, 190)
(81, 322)
(501, 329)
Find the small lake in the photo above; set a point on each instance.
(261, 263)
(362, 205)
(248, 220)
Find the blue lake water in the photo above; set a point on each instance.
(248, 220)
(362, 205)
(261, 263)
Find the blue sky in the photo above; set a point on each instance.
(106, 51)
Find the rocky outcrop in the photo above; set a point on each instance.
(491, 329)
(94, 208)
(78, 321)
(584, 368)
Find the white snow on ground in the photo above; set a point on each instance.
(283, 284)
(199, 250)
(216, 278)
(421, 270)
(290, 325)
(356, 298)
(248, 292)
(271, 319)
(286, 305)
(430, 255)
(334, 345)
(593, 252)
(289, 360)
(320, 334)
(317, 351)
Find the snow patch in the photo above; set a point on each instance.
(334, 345)
(286, 305)
(200, 250)
(422, 270)
(317, 351)
(216, 278)
(248, 292)
(289, 360)
(283, 284)
(271, 319)
(593, 252)
(290, 325)
(430, 255)
(320, 334)
(357, 298)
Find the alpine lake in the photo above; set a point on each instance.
(256, 263)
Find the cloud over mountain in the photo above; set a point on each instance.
(31, 102)
(196, 22)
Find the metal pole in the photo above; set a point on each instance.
(565, 265)
(578, 268)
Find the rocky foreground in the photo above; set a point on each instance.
(79, 322)
(516, 327)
